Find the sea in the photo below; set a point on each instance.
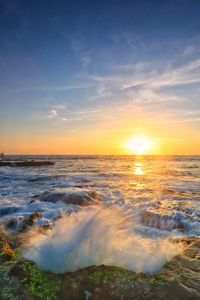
(131, 204)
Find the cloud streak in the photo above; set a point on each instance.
(48, 88)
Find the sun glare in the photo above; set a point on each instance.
(139, 145)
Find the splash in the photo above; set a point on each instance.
(95, 236)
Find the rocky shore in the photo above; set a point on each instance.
(25, 163)
(23, 280)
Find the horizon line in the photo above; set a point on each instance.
(137, 155)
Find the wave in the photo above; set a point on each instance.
(95, 236)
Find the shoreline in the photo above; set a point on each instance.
(177, 279)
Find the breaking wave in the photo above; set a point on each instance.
(95, 236)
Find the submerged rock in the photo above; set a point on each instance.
(7, 210)
(163, 220)
(44, 178)
(25, 163)
(75, 196)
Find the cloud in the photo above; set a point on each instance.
(71, 119)
(69, 113)
(165, 88)
(147, 77)
(168, 88)
(52, 114)
(186, 74)
(58, 88)
(180, 121)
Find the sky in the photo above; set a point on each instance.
(83, 77)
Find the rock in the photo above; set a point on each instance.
(6, 251)
(25, 163)
(7, 210)
(13, 278)
(179, 279)
(28, 222)
(21, 224)
(163, 220)
(18, 270)
(75, 196)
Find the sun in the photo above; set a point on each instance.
(138, 145)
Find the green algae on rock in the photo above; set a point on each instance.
(179, 279)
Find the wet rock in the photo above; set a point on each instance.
(163, 220)
(28, 222)
(21, 224)
(104, 282)
(179, 279)
(28, 163)
(13, 278)
(14, 223)
(36, 216)
(18, 270)
(75, 196)
(7, 210)
(6, 251)
(44, 178)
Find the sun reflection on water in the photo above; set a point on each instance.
(138, 168)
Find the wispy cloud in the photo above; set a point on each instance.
(71, 119)
(179, 121)
(166, 88)
(52, 114)
(48, 88)
(63, 112)
(186, 74)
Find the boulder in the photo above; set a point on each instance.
(75, 196)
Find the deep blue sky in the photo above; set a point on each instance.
(67, 66)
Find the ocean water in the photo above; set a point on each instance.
(133, 208)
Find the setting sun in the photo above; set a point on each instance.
(139, 145)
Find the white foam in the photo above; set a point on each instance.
(96, 236)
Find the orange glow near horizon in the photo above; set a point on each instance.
(110, 137)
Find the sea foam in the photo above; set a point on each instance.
(95, 236)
